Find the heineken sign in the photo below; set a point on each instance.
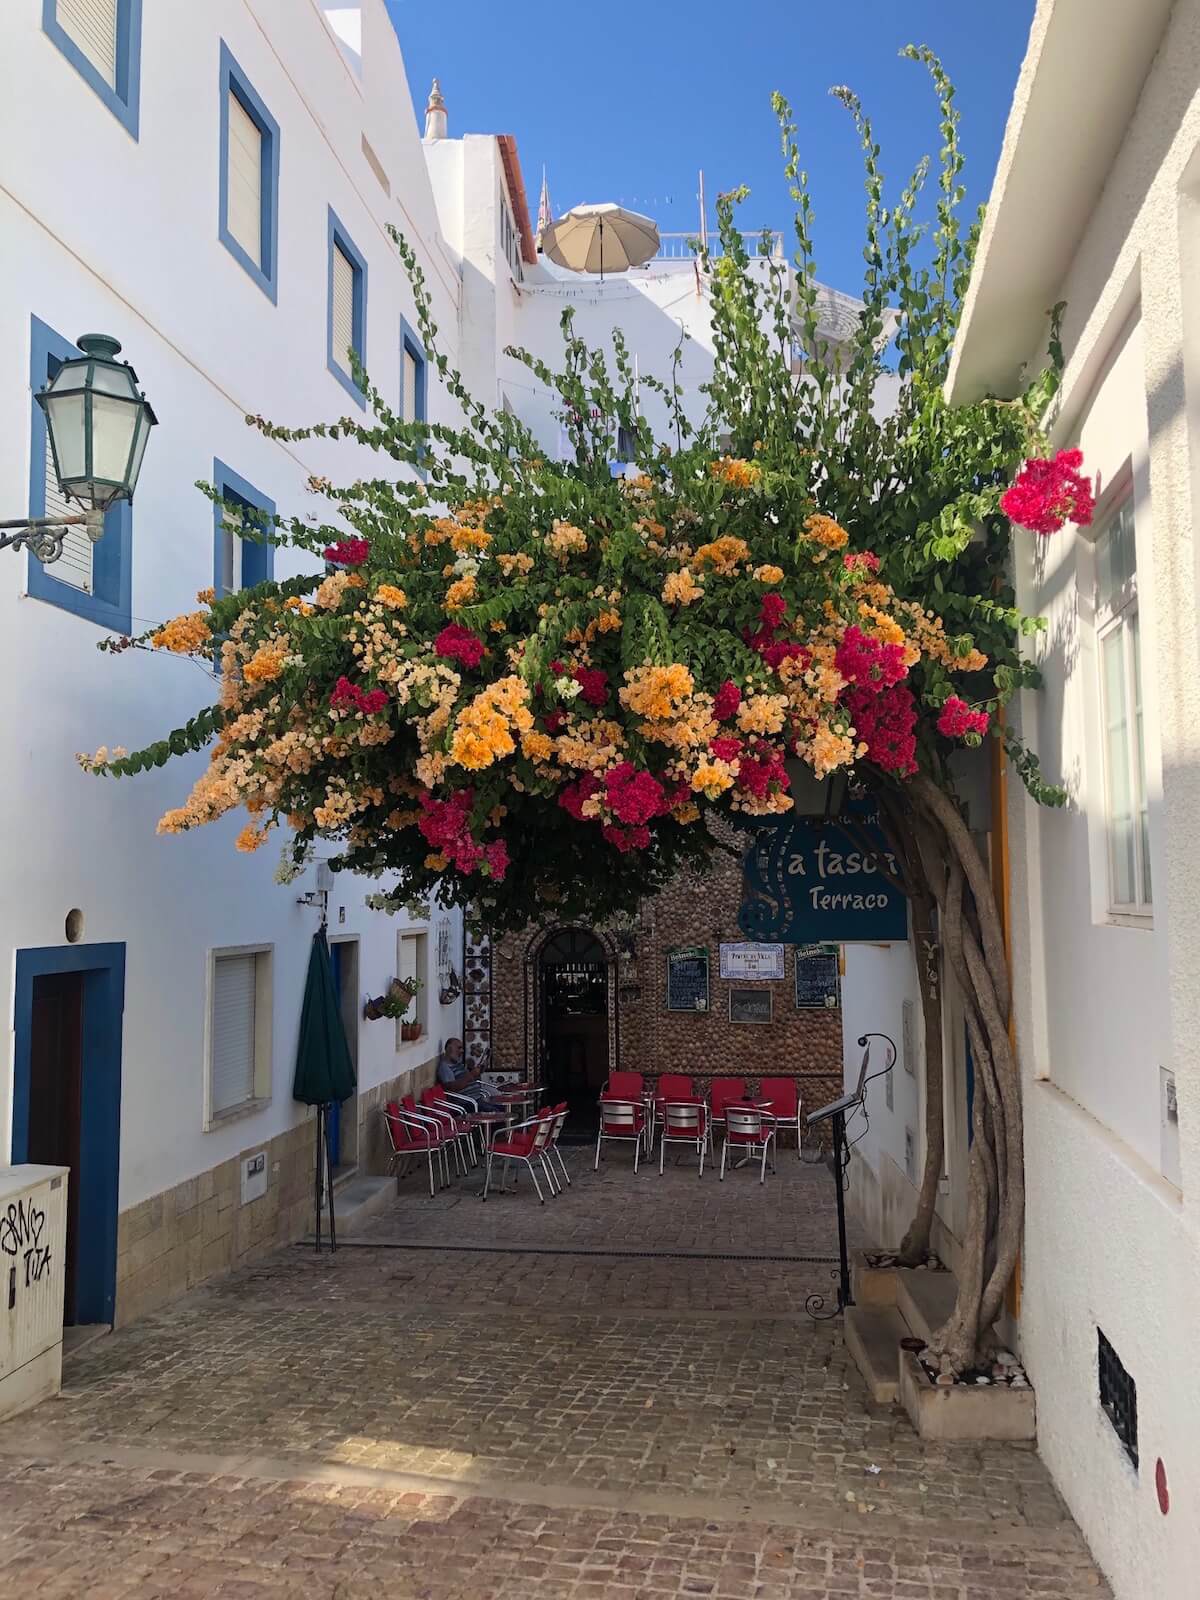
(809, 880)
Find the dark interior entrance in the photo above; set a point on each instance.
(56, 1096)
(573, 982)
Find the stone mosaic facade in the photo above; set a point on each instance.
(643, 1035)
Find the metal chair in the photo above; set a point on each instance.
(621, 1120)
(463, 1125)
(749, 1129)
(683, 1122)
(407, 1140)
(720, 1092)
(786, 1106)
(526, 1143)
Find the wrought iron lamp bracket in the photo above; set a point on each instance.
(45, 536)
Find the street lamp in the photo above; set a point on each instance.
(98, 421)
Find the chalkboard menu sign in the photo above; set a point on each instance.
(817, 977)
(687, 979)
(750, 1005)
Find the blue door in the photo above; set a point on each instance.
(68, 1015)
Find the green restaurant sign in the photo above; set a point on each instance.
(809, 880)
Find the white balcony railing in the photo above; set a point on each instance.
(683, 246)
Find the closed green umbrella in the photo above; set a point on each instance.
(324, 1071)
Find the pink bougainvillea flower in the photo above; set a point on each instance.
(726, 700)
(347, 552)
(626, 839)
(1048, 494)
(633, 796)
(348, 696)
(885, 721)
(495, 859)
(957, 719)
(772, 610)
(572, 797)
(554, 720)
(594, 683)
(868, 662)
(860, 561)
(726, 747)
(457, 643)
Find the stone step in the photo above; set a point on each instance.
(925, 1299)
(360, 1199)
(873, 1335)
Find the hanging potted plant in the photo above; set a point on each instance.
(400, 995)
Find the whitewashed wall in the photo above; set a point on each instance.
(104, 232)
(1111, 1241)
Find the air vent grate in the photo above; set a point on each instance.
(1118, 1396)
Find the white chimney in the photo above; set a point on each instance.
(436, 126)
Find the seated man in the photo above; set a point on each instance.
(453, 1074)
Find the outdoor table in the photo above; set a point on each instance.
(489, 1121)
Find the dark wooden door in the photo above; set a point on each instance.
(56, 1096)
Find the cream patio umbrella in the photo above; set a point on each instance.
(604, 238)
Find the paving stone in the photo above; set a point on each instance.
(438, 1424)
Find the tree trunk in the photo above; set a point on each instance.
(943, 865)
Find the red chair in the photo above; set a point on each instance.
(622, 1120)
(675, 1086)
(434, 1118)
(720, 1092)
(624, 1086)
(749, 1129)
(785, 1108)
(407, 1140)
(683, 1122)
(527, 1143)
(462, 1124)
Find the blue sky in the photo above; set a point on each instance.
(628, 103)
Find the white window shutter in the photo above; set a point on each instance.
(92, 25)
(74, 566)
(244, 180)
(408, 398)
(233, 1029)
(343, 306)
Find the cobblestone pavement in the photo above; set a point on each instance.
(430, 1422)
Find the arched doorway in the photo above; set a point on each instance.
(573, 986)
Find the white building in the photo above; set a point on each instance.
(211, 184)
(1106, 942)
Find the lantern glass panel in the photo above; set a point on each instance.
(113, 425)
(139, 446)
(67, 431)
(113, 380)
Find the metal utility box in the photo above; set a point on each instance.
(33, 1237)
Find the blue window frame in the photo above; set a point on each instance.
(264, 270)
(117, 80)
(239, 563)
(413, 378)
(347, 306)
(109, 601)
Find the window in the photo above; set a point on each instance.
(1119, 655)
(249, 178)
(239, 1031)
(239, 562)
(102, 39)
(412, 961)
(347, 320)
(92, 580)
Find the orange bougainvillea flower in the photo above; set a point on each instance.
(733, 470)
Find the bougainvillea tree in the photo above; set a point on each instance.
(520, 683)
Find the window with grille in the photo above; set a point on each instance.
(347, 307)
(102, 41)
(1118, 649)
(239, 1053)
(249, 176)
(1118, 1396)
(413, 376)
